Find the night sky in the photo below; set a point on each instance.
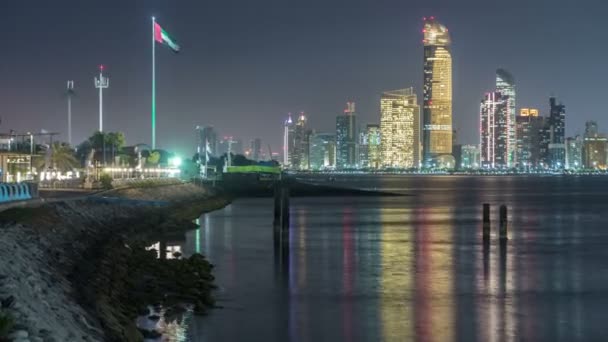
(245, 64)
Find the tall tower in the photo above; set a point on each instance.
(505, 84)
(494, 133)
(101, 83)
(437, 95)
(346, 138)
(400, 129)
(299, 160)
(70, 94)
(557, 134)
(288, 142)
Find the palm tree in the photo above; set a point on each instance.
(62, 158)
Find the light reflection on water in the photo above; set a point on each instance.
(413, 268)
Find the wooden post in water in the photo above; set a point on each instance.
(503, 222)
(486, 221)
(285, 206)
(277, 203)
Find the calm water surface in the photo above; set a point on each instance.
(413, 268)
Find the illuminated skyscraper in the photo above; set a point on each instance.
(373, 146)
(529, 129)
(437, 94)
(494, 132)
(322, 151)
(556, 131)
(400, 129)
(299, 155)
(574, 153)
(207, 137)
(346, 138)
(505, 84)
(288, 142)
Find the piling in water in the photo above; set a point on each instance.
(277, 203)
(503, 222)
(285, 206)
(486, 221)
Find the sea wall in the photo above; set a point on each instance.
(54, 258)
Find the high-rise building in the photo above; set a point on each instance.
(469, 157)
(529, 126)
(595, 147)
(256, 149)
(400, 129)
(363, 150)
(574, 153)
(346, 138)
(437, 95)
(322, 151)
(505, 84)
(591, 129)
(494, 134)
(206, 136)
(299, 156)
(594, 152)
(374, 142)
(288, 142)
(556, 132)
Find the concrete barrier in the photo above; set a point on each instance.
(11, 192)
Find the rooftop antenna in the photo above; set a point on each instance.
(101, 83)
(70, 93)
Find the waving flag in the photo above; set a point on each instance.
(161, 36)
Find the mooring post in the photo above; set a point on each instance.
(503, 222)
(486, 221)
(277, 202)
(285, 206)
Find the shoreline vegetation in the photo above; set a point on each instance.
(79, 270)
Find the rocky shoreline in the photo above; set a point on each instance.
(78, 270)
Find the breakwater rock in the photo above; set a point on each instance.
(78, 270)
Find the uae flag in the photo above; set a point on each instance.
(163, 37)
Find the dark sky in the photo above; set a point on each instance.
(245, 64)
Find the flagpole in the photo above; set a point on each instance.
(153, 85)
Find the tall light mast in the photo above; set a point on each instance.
(101, 83)
(70, 93)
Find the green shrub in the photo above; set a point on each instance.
(106, 181)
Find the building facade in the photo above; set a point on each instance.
(556, 134)
(574, 153)
(494, 130)
(469, 157)
(288, 141)
(594, 152)
(256, 149)
(346, 138)
(374, 142)
(299, 155)
(206, 139)
(400, 129)
(322, 151)
(505, 84)
(437, 94)
(529, 127)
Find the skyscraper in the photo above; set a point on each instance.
(529, 128)
(556, 131)
(346, 138)
(299, 156)
(206, 136)
(373, 146)
(494, 133)
(505, 84)
(574, 153)
(437, 94)
(256, 149)
(595, 147)
(322, 151)
(400, 129)
(288, 141)
(469, 157)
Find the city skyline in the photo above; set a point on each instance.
(197, 86)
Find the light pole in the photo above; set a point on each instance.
(70, 93)
(101, 83)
